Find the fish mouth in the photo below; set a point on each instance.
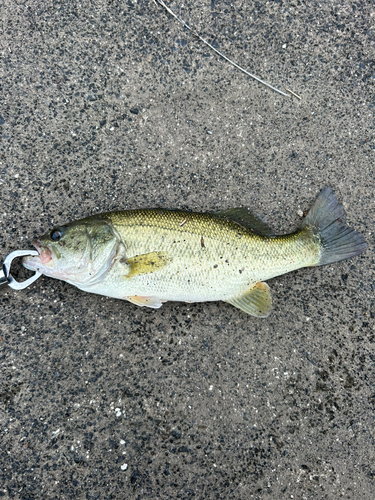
(40, 262)
(45, 254)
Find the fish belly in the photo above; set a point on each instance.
(211, 263)
(193, 278)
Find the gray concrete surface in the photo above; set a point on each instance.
(112, 104)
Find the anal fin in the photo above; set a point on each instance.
(152, 302)
(257, 301)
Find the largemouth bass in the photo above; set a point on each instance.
(149, 257)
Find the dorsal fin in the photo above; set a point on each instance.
(246, 218)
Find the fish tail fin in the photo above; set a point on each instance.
(327, 219)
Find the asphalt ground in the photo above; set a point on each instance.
(114, 105)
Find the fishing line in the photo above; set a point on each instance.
(192, 30)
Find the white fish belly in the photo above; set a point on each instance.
(176, 285)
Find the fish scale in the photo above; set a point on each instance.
(203, 242)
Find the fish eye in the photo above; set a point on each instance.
(56, 234)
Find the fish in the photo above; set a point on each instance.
(152, 256)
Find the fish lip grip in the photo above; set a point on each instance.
(7, 278)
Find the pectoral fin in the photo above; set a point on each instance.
(146, 263)
(257, 301)
(153, 302)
